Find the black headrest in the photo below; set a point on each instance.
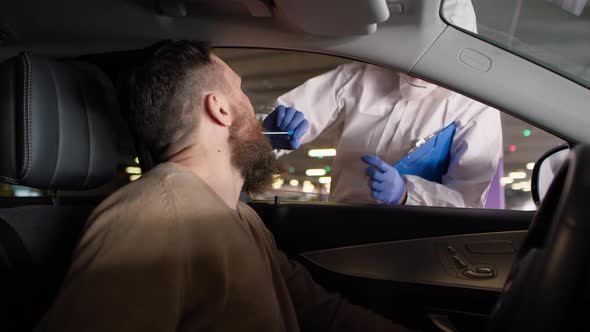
(55, 131)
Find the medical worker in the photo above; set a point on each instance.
(404, 140)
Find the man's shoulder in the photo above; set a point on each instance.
(165, 203)
(248, 212)
(152, 197)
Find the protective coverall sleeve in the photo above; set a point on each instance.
(319, 99)
(475, 153)
(320, 310)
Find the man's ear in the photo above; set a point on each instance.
(217, 107)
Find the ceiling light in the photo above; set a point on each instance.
(322, 153)
(308, 187)
(525, 185)
(522, 185)
(530, 166)
(325, 179)
(294, 182)
(517, 175)
(315, 172)
(277, 183)
(506, 180)
(133, 170)
(134, 177)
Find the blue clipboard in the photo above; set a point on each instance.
(430, 160)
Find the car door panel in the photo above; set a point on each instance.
(302, 227)
(397, 261)
(480, 261)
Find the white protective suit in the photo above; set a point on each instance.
(383, 115)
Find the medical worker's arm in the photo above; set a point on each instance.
(320, 310)
(476, 150)
(319, 99)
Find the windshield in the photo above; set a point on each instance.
(553, 33)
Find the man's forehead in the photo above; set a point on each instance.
(224, 65)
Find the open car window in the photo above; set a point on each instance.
(269, 76)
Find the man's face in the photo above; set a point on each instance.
(251, 152)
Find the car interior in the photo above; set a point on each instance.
(62, 128)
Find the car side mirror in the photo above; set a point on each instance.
(545, 170)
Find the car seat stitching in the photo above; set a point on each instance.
(8, 180)
(27, 115)
(59, 124)
(88, 131)
(29, 133)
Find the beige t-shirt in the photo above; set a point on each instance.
(165, 253)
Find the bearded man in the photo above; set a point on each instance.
(176, 250)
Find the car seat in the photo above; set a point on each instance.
(55, 134)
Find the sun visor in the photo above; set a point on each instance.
(333, 17)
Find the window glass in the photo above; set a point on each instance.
(7, 190)
(552, 33)
(127, 171)
(523, 145)
(356, 110)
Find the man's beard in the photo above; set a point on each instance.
(252, 155)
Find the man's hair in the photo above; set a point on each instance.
(165, 89)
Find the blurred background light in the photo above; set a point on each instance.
(506, 180)
(277, 183)
(315, 172)
(321, 153)
(132, 170)
(517, 175)
(308, 187)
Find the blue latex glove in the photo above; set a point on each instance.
(385, 182)
(284, 119)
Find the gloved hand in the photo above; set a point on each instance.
(284, 119)
(385, 182)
